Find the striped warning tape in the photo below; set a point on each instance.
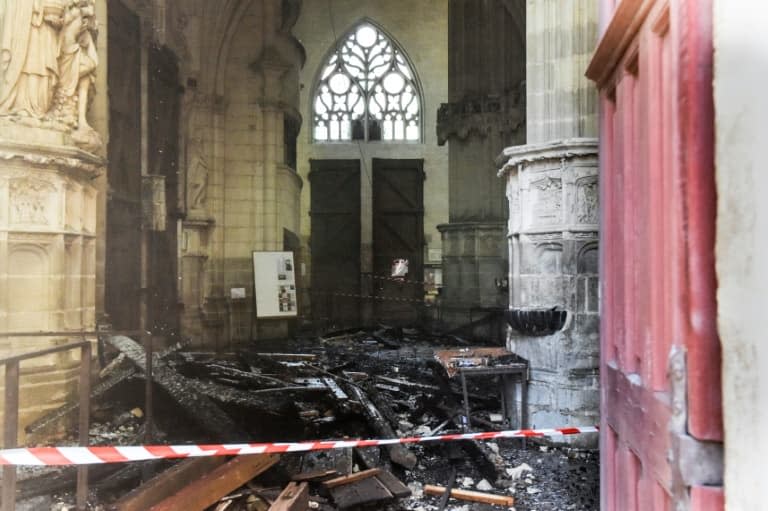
(60, 456)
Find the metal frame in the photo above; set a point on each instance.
(11, 410)
(510, 375)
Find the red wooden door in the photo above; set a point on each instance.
(661, 435)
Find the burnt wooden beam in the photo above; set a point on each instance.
(204, 492)
(351, 478)
(167, 483)
(199, 408)
(398, 453)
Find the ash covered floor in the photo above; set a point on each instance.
(319, 389)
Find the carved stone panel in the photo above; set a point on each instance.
(587, 200)
(546, 199)
(31, 201)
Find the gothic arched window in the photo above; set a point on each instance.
(367, 91)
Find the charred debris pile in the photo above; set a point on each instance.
(353, 384)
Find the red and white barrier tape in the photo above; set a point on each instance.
(58, 456)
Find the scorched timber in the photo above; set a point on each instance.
(200, 409)
(398, 453)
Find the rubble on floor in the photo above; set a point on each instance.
(353, 384)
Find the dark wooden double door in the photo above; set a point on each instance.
(341, 292)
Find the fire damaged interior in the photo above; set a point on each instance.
(378, 254)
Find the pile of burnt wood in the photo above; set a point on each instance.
(357, 384)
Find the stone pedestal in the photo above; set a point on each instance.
(552, 191)
(48, 204)
(196, 232)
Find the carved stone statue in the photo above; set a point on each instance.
(197, 177)
(77, 69)
(29, 48)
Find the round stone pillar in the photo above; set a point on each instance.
(552, 192)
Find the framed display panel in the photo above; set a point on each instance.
(274, 284)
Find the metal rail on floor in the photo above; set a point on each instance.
(11, 408)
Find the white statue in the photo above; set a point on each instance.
(77, 65)
(29, 49)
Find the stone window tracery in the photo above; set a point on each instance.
(367, 91)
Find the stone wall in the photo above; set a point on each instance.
(240, 192)
(742, 245)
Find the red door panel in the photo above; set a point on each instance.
(660, 358)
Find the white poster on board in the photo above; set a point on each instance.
(274, 281)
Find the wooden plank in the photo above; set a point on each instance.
(315, 474)
(295, 497)
(393, 484)
(209, 489)
(365, 492)
(168, 483)
(472, 496)
(351, 478)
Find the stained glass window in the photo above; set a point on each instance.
(367, 91)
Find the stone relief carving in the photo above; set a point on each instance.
(481, 115)
(29, 200)
(546, 200)
(48, 62)
(586, 201)
(549, 258)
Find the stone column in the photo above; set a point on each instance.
(485, 113)
(48, 192)
(48, 238)
(561, 101)
(552, 191)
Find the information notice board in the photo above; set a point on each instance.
(274, 283)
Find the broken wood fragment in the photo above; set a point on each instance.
(167, 483)
(472, 496)
(258, 379)
(351, 478)
(207, 490)
(364, 492)
(398, 453)
(288, 356)
(315, 474)
(393, 484)
(295, 497)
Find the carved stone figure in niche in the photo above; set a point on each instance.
(586, 200)
(29, 55)
(197, 177)
(77, 69)
(547, 199)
